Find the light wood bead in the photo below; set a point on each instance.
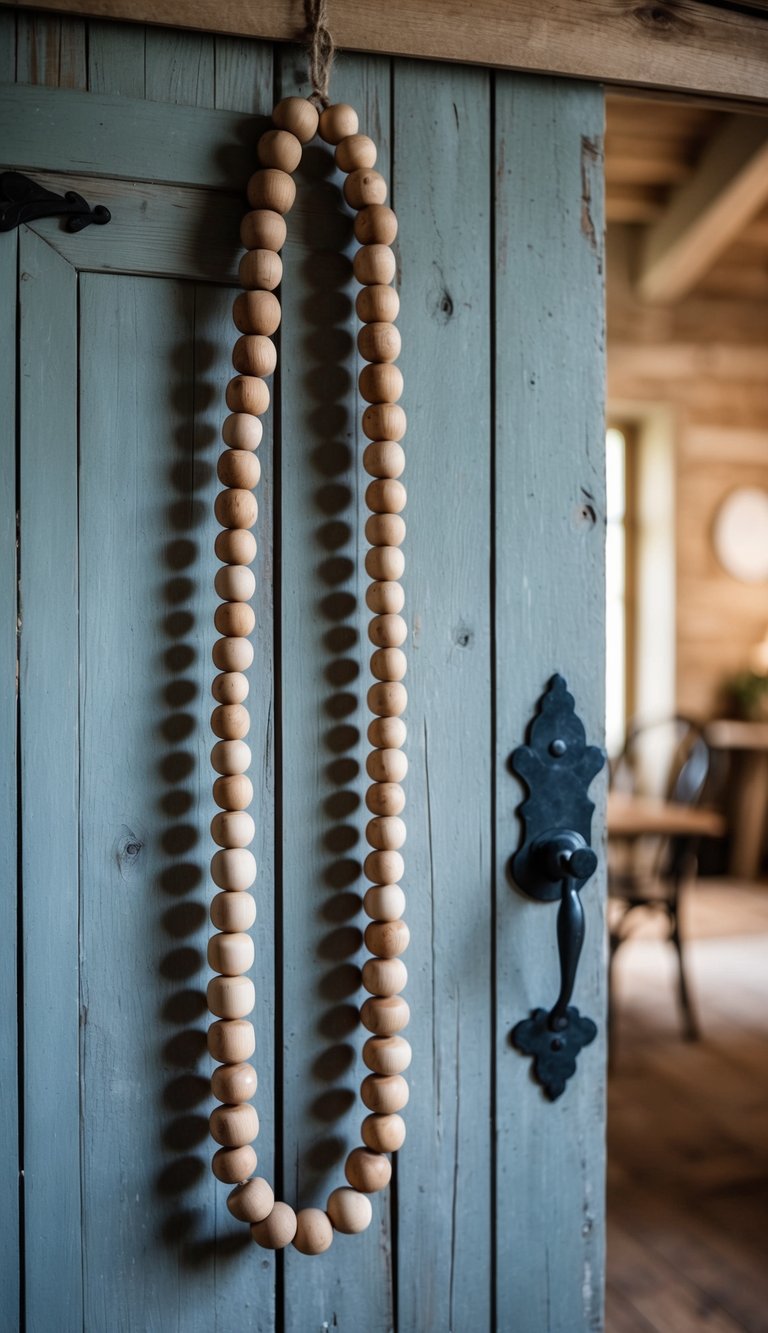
(230, 1165)
(235, 583)
(388, 631)
(384, 976)
(385, 1016)
(252, 1201)
(242, 431)
(368, 1171)
(236, 508)
(230, 721)
(280, 149)
(254, 353)
(231, 1042)
(237, 911)
(389, 663)
(350, 1212)
(385, 496)
(297, 115)
(260, 269)
(233, 868)
(383, 902)
(387, 939)
(232, 654)
(237, 1083)
(247, 393)
(389, 765)
(236, 620)
(337, 122)
(385, 530)
(383, 563)
(355, 152)
(374, 265)
(378, 304)
(271, 189)
(384, 1093)
(236, 546)
(234, 792)
(231, 757)
(381, 381)
(233, 828)
(386, 1055)
(379, 341)
(234, 1126)
(385, 798)
(231, 997)
(314, 1233)
(376, 225)
(383, 1133)
(384, 421)
(263, 229)
(232, 955)
(257, 313)
(277, 1229)
(364, 187)
(384, 459)
(388, 698)
(384, 867)
(385, 599)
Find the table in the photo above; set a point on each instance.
(748, 791)
(632, 816)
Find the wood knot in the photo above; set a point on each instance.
(662, 20)
(128, 851)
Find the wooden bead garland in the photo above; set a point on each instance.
(231, 1040)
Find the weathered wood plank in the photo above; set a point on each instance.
(38, 38)
(243, 76)
(549, 522)
(7, 46)
(48, 690)
(179, 67)
(72, 54)
(445, 1168)
(116, 59)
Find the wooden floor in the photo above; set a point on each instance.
(688, 1127)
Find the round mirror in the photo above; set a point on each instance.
(741, 534)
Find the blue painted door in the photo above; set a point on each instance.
(115, 352)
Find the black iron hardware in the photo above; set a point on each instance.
(23, 200)
(554, 862)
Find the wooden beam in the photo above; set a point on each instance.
(705, 214)
(712, 48)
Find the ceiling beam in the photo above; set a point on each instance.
(726, 191)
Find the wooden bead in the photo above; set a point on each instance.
(384, 421)
(237, 911)
(262, 269)
(252, 1201)
(386, 1016)
(383, 563)
(381, 381)
(387, 733)
(254, 353)
(386, 833)
(384, 902)
(242, 431)
(374, 265)
(385, 598)
(379, 341)
(235, 583)
(277, 1229)
(237, 546)
(232, 828)
(236, 619)
(230, 954)
(234, 1126)
(233, 1164)
(230, 721)
(232, 1042)
(383, 1093)
(314, 1233)
(384, 976)
(368, 1171)
(236, 508)
(389, 663)
(389, 765)
(378, 304)
(271, 189)
(387, 699)
(263, 229)
(337, 122)
(387, 939)
(376, 225)
(385, 798)
(232, 654)
(388, 631)
(349, 1211)
(385, 1055)
(280, 149)
(231, 997)
(364, 187)
(247, 393)
(298, 116)
(383, 1133)
(257, 313)
(233, 868)
(231, 757)
(237, 1083)
(385, 530)
(385, 496)
(236, 791)
(355, 152)
(384, 867)
(384, 459)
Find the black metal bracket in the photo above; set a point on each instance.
(554, 862)
(23, 200)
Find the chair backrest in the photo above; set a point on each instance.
(668, 758)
